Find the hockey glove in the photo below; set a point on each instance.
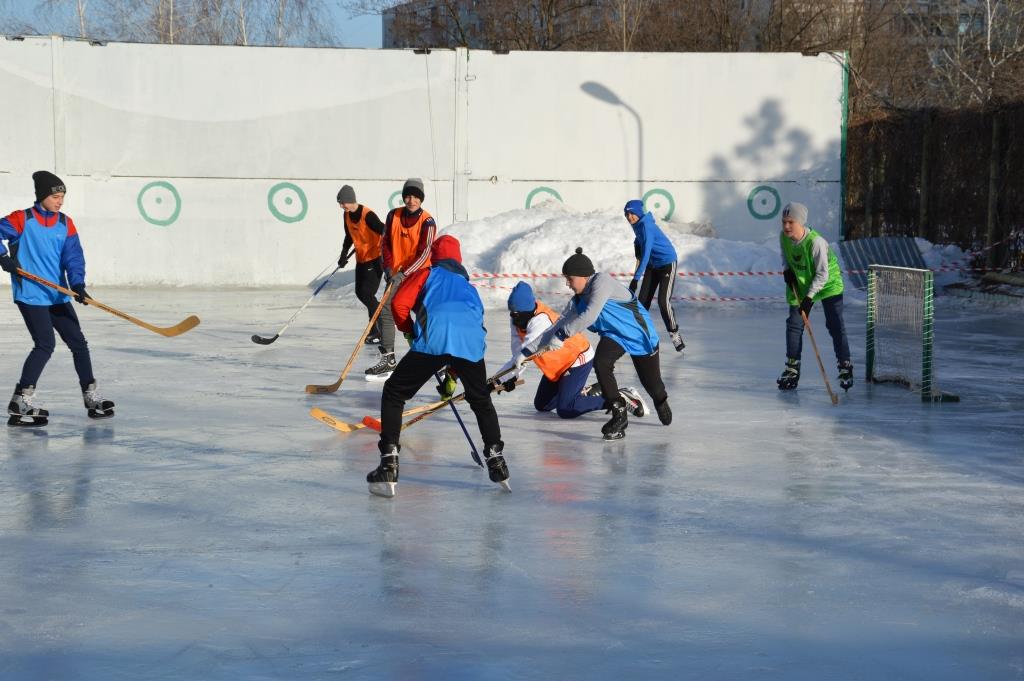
(805, 305)
(446, 388)
(342, 260)
(9, 264)
(80, 293)
(396, 279)
(509, 385)
(633, 285)
(790, 278)
(521, 359)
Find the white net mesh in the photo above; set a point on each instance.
(899, 326)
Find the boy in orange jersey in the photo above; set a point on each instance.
(408, 236)
(363, 232)
(566, 369)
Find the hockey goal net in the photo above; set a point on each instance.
(900, 332)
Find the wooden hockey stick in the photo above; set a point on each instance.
(181, 327)
(333, 387)
(338, 424)
(807, 324)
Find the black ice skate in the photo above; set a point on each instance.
(615, 429)
(384, 478)
(634, 403)
(846, 375)
(497, 469)
(664, 413)
(373, 338)
(98, 408)
(22, 409)
(677, 341)
(790, 375)
(382, 369)
(592, 390)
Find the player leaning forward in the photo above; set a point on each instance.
(43, 241)
(607, 308)
(443, 313)
(813, 270)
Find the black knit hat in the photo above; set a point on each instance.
(47, 183)
(413, 187)
(578, 265)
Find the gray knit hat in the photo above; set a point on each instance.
(413, 186)
(347, 194)
(796, 211)
(578, 265)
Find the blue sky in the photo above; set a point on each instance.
(364, 31)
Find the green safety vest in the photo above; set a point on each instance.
(798, 257)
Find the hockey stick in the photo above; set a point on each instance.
(458, 417)
(181, 327)
(333, 387)
(337, 424)
(267, 341)
(807, 325)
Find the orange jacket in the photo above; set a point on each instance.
(554, 363)
(365, 240)
(407, 241)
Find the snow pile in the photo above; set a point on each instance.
(537, 240)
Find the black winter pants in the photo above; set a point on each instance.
(417, 368)
(41, 321)
(662, 280)
(368, 276)
(648, 369)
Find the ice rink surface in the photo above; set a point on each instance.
(213, 530)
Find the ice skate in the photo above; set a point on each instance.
(634, 403)
(677, 341)
(790, 375)
(98, 408)
(497, 469)
(615, 428)
(592, 390)
(383, 368)
(846, 375)
(22, 409)
(372, 338)
(384, 478)
(664, 413)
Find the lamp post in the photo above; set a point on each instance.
(602, 93)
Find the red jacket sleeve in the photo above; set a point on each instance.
(426, 243)
(404, 299)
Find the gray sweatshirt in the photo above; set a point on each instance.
(600, 288)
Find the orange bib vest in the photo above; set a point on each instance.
(554, 363)
(405, 241)
(365, 240)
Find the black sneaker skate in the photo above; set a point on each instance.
(384, 478)
(615, 429)
(382, 369)
(497, 469)
(846, 375)
(634, 403)
(98, 407)
(790, 375)
(22, 409)
(677, 341)
(664, 413)
(373, 338)
(592, 390)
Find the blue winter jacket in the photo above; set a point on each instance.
(653, 249)
(47, 245)
(449, 314)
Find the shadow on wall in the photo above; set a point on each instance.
(799, 173)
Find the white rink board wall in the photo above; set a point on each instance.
(218, 166)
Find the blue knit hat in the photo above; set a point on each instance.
(521, 299)
(636, 207)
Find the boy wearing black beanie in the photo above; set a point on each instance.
(43, 241)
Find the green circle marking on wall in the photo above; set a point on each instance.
(764, 202)
(154, 194)
(290, 195)
(391, 199)
(670, 203)
(542, 190)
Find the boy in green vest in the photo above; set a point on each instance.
(812, 269)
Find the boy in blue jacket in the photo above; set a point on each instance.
(44, 241)
(655, 266)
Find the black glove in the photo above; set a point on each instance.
(805, 305)
(342, 260)
(790, 278)
(80, 293)
(632, 286)
(9, 264)
(509, 385)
